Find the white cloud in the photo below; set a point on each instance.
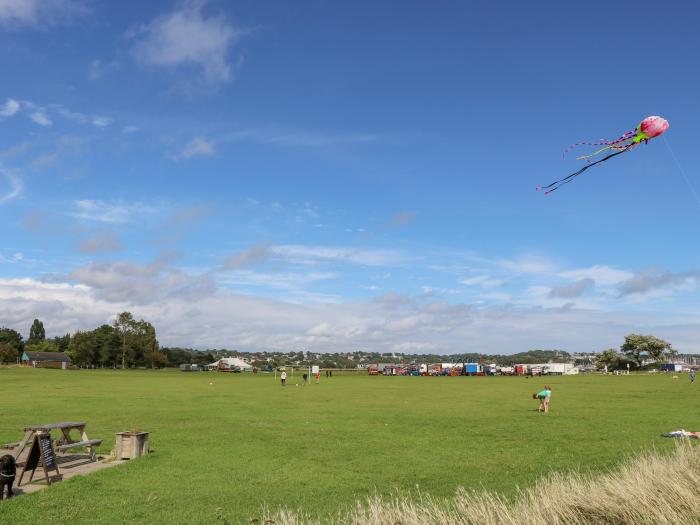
(485, 281)
(9, 108)
(289, 281)
(186, 37)
(600, 273)
(528, 264)
(198, 147)
(39, 117)
(168, 297)
(255, 255)
(572, 290)
(300, 254)
(101, 121)
(40, 12)
(113, 213)
(14, 183)
(299, 138)
(653, 278)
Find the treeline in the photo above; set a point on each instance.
(267, 360)
(179, 356)
(126, 343)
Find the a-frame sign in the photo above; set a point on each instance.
(41, 453)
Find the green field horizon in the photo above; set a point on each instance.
(244, 442)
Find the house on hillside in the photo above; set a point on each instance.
(46, 359)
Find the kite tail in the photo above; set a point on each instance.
(603, 142)
(617, 145)
(554, 186)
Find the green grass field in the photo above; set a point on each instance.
(245, 442)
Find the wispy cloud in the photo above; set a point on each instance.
(101, 121)
(100, 242)
(187, 38)
(98, 69)
(10, 107)
(299, 138)
(255, 255)
(400, 219)
(50, 114)
(197, 147)
(40, 13)
(59, 109)
(653, 278)
(59, 148)
(39, 117)
(528, 264)
(600, 273)
(132, 282)
(484, 281)
(572, 290)
(301, 254)
(112, 213)
(14, 185)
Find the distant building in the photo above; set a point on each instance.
(46, 359)
(687, 359)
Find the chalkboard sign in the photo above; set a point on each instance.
(47, 451)
(41, 453)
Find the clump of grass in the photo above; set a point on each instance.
(649, 489)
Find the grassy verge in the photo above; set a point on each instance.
(650, 489)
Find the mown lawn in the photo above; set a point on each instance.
(244, 441)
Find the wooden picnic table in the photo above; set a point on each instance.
(62, 444)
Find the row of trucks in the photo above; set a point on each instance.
(471, 369)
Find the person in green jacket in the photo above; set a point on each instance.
(544, 396)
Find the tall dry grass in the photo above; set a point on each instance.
(649, 489)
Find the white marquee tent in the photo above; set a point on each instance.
(230, 362)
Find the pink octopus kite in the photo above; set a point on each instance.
(649, 128)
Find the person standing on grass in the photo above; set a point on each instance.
(692, 376)
(283, 377)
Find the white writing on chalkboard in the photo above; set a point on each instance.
(47, 451)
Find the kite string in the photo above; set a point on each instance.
(680, 168)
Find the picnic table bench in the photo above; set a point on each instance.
(78, 444)
(66, 443)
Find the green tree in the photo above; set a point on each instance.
(609, 358)
(139, 345)
(107, 346)
(125, 325)
(36, 332)
(7, 353)
(12, 338)
(41, 346)
(81, 348)
(148, 344)
(637, 346)
(62, 342)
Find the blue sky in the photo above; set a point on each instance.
(327, 176)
